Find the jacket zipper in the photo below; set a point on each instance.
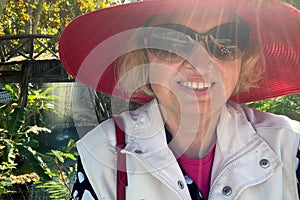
(218, 177)
(154, 175)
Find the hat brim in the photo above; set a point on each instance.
(87, 47)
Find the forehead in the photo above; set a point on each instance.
(198, 21)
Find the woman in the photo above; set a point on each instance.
(190, 63)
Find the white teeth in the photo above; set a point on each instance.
(195, 85)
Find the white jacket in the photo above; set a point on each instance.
(254, 157)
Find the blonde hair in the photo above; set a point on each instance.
(251, 69)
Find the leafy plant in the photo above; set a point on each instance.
(286, 105)
(5, 181)
(42, 16)
(295, 3)
(62, 173)
(38, 104)
(18, 128)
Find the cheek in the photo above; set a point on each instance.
(163, 94)
(154, 75)
(230, 74)
(161, 74)
(236, 71)
(159, 83)
(162, 80)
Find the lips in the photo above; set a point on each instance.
(195, 85)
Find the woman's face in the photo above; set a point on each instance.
(200, 83)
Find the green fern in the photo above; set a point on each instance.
(56, 190)
(62, 173)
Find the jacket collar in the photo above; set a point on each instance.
(238, 143)
(145, 125)
(144, 128)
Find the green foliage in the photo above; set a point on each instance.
(62, 173)
(18, 128)
(37, 163)
(15, 121)
(295, 3)
(286, 105)
(51, 16)
(5, 182)
(38, 104)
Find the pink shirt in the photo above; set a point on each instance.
(199, 170)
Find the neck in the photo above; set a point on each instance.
(193, 136)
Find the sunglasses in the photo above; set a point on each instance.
(174, 42)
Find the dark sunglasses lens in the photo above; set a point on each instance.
(228, 41)
(221, 51)
(173, 43)
(166, 55)
(169, 45)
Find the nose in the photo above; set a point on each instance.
(199, 60)
(202, 69)
(186, 64)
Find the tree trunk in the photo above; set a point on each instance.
(28, 23)
(2, 6)
(37, 16)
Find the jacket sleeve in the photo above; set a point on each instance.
(298, 170)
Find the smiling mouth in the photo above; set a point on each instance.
(195, 85)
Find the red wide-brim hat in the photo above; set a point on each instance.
(91, 43)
